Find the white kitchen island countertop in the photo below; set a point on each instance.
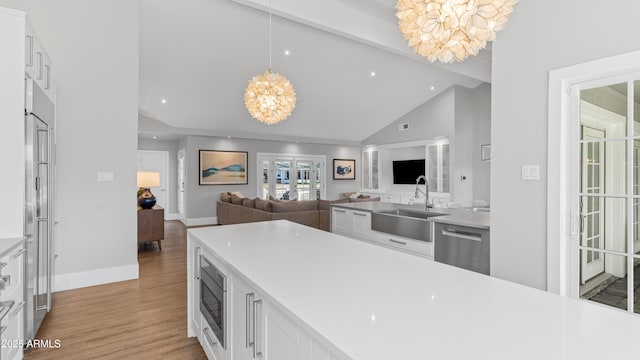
(376, 303)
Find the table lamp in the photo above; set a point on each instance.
(147, 180)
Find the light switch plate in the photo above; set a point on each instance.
(530, 172)
(105, 176)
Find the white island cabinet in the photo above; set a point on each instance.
(318, 295)
(257, 327)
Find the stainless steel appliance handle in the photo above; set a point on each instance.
(208, 336)
(256, 353)
(17, 310)
(398, 241)
(248, 300)
(20, 252)
(473, 237)
(5, 306)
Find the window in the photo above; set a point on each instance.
(291, 177)
(438, 166)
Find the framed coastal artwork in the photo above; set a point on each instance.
(223, 167)
(344, 169)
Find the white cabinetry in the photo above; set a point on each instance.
(352, 223)
(257, 327)
(357, 224)
(37, 62)
(12, 302)
(246, 305)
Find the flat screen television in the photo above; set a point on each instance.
(407, 171)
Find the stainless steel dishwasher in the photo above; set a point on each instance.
(462, 246)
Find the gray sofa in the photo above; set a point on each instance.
(232, 209)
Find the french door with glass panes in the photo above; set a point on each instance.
(608, 201)
(291, 177)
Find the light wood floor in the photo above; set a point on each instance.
(137, 319)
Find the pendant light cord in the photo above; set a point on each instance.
(270, 36)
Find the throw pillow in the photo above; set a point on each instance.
(225, 197)
(235, 199)
(237, 193)
(264, 205)
(250, 203)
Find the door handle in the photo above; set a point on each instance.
(256, 353)
(248, 300)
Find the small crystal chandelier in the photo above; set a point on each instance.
(448, 30)
(270, 97)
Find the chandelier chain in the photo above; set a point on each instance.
(270, 46)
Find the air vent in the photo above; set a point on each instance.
(403, 127)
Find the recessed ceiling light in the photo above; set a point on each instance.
(164, 101)
(155, 137)
(287, 52)
(297, 142)
(432, 88)
(228, 137)
(373, 74)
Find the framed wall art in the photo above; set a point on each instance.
(344, 169)
(223, 167)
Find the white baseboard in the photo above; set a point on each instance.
(174, 216)
(82, 279)
(202, 221)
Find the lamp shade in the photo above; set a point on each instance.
(148, 179)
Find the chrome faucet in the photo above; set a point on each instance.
(425, 192)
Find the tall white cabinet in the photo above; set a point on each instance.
(23, 57)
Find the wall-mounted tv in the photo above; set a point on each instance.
(407, 171)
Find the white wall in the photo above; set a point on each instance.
(172, 172)
(462, 147)
(94, 48)
(481, 97)
(201, 203)
(462, 115)
(540, 36)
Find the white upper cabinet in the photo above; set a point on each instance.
(37, 63)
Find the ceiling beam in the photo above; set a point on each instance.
(336, 17)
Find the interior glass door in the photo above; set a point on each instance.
(609, 196)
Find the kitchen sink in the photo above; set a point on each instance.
(412, 224)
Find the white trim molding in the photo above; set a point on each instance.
(62, 282)
(172, 216)
(564, 88)
(201, 221)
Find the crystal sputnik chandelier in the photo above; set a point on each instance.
(270, 97)
(451, 30)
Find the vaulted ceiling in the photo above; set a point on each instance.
(198, 56)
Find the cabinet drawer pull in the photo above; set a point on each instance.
(47, 80)
(209, 339)
(359, 214)
(20, 252)
(256, 353)
(30, 47)
(40, 68)
(398, 242)
(340, 211)
(470, 236)
(247, 332)
(17, 309)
